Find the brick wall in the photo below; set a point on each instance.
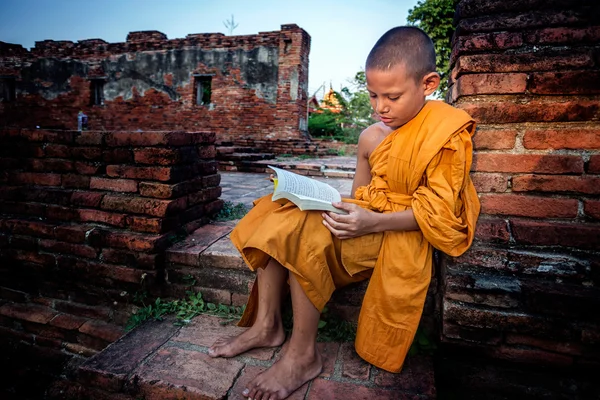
(529, 73)
(259, 83)
(86, 218)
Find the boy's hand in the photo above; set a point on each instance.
(357, 222)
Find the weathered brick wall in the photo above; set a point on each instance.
(529, 73)
(259, 83)
(85, 220)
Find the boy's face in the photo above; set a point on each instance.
(395, 96)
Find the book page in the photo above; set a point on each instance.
(303, 186)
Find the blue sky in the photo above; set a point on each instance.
(342, 31)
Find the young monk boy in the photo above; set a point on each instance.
(412, 192)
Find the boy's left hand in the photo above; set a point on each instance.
(357, 222)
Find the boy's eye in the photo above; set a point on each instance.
(394, 98)
(371, 95)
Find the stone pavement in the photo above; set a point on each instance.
(245, 187)
(162, 361)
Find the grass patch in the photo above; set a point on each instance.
(231, 211)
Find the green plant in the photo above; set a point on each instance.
(422, 344)
(184, 310)
(231, 211)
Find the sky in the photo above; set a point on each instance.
(342, 31)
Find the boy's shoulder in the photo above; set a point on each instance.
(375, 132)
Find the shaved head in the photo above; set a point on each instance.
(405, 45)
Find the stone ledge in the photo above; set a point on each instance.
(161, 361)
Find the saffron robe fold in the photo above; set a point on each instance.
(423, 165)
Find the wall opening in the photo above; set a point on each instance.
(203, 86)
(7, 89)
(97, 91)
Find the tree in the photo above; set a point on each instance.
(436, 17)
(230, 24)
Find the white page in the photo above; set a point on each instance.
(302, 186)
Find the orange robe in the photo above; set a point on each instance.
(423, 165)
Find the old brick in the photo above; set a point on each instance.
(140, 205)
(205, 195)
(152, 138)
(335, 390)
(85, 352)
(556, 183)
(34, 178)
(494, 139)
(33, 228)
(152, 173)
(49, 165)
(592, 208)
(115, 185)
(86, 199)
(132, 259)
(75, 181)
(88, 168)
(594, 164)
(117, 156)
(487, 182)
(519, 354)
(83, 310)
(56, 150)
(493, 112)
(586, 236)
(353, 366)
(486, 41)
(28, 312)
(61, 213)
(563, 35)
(102, 330)
(23, 242)
(492, 230)
(67, 321)
(89, 138)
(477, 84)
(528, 206)
(164, 156)
(115, 219)
(576, 139)
(87, 153)
(567, 82)
(166, 191)
(149, 225)
(207, 152)
(211, 180)
(551, 345)
(68, 248)
(72, 233)
(539, 163)
(134, 241)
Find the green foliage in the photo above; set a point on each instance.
(330, 329)
(325, 123)
(436, 17)
(231, 211)
(421, 344)
(184, 310)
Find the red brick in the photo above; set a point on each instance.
(87, 153)
(248, 374)
(592, 208)
(140, 205)
(89, 138)
(475, 84)
(35, 257)
(152, 138)
(528, 206)
(40, 135)
(88, 168)
(86, 199)
(494, 139)
(568, 82)
(353, 367)
(580, 235)
(34, 178)
(117, 156)
(493, 112)
(564, 35)
(33, 228)
(60, 213)
(163, 156)
(68, 248)
(23, 242)
(72, 233)
(166, 191)
(556, 183)
(594, 165)
(575, 139)
(134, 241)
(49, 165)
(207, 152)
(102, 330)
(83, 310)
(28, 312)
(148, 225)
(204, 195)
(75, 181)
(486, 42)
(546, 344)
(85, 352)
(492, 230)
(104, 217)
(153, 173)
(569, 60)
(486, 182)
(540, 163)
(67, 321)
(534, 356)
(115, 185)
(333, 390)
(132, 259)
(56, 150)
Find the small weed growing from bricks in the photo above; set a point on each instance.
(231, 211)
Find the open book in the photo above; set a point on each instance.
(306, 193)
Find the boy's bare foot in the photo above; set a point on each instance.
(293, 370)
(256, 336)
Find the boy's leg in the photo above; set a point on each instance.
(301, 361)
(267, 330)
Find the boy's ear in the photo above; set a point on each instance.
(431, 82)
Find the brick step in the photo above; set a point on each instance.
(246, 156)
(159, 360)
(334, 167)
